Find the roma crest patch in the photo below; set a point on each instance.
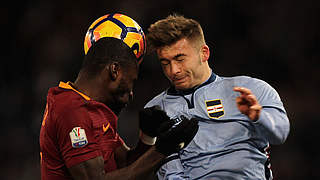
(78, 137)
(214, 108)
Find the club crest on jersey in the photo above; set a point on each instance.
(78, 137)
(214, 108)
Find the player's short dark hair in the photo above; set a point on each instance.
(107, 50)
(168, 31)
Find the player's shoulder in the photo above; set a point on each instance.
(67, 109)
(157, 99)
(244, 81)
(258, 86)
(64, 100)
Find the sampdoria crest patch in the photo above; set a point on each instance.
(214, 108)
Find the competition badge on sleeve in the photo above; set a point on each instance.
(78, 137)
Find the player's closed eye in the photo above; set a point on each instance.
(164, 62)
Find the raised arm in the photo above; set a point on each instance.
(273, 121)
(150, 119)
(94, 168)
(170, 140)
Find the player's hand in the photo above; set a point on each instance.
(150, 120)
(172, 140)
(247, 103)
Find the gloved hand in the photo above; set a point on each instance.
(150, 120)
(173, 139)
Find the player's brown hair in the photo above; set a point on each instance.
(175, 27)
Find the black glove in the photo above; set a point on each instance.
(150, 120)
(172, 140)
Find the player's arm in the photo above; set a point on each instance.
(150, 119)
(170, 140)
(273, 121)
(94, 168)
(125, 156)
(275, 124)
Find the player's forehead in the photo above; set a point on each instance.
(181, 47)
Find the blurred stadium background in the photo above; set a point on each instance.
(278, 41)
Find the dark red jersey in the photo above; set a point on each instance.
(75, 129)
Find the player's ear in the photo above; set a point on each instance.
(205, 53)
(114, 69)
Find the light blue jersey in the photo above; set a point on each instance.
(228, 145)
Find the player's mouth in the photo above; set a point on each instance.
(179, 80)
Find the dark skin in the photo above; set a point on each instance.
(106, 87)
(94, 168)
(113, 86)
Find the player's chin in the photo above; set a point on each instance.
(124, 100)
(182, 86)
(119, 104)
(117, 107)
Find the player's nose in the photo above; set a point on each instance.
(175, 68)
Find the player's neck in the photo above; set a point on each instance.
(85, 86)
(206, 73)
(89, 87)
(79, 85)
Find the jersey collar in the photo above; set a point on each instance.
(68, 85)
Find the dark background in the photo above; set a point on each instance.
(275, 40)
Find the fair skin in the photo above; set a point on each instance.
(247, 103)
(185, 64)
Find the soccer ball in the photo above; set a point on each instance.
(118, 26)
